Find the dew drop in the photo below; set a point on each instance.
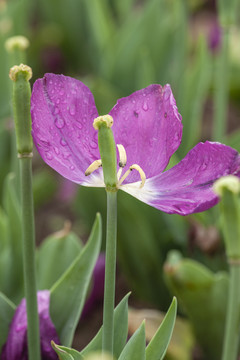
(56, 150)
(72, 109)
(93, 145)
(63, 142)
(59, 122)
(56, 110)
(72, 167)
(145, 106)
(49, 155)
(79, 125)
(66, 156)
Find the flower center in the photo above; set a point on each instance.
(122, 163)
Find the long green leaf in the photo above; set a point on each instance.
(55, 255)
(158, 345)
(135, 348)
(7, 309)
(69, 292)
(120, 331)
(65, 353)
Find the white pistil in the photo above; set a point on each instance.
(94, 166)
(141, 173)
(122, 163)
(122, 159)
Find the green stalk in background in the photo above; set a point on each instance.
(107, 150)
(21, 108)
(227, 10)
(228, 188)
(16, 48)
(221, 91)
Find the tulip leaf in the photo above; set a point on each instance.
(120, 331)
(157, 347)
(7, 309)
(135, 347)
(69, 292)
(55, 255)
(65, 353)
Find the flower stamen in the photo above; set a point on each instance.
(94, 166)
(133, 167)
(122, 159)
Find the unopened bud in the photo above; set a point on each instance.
(16, 42)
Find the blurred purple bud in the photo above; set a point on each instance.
(97, 291)
(16, 346)
(215, 38)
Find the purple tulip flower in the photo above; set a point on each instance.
(16, 345)
(147, 125)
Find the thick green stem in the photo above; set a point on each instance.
(231, 338)
(29, 258)
(221, 89)
(110, 272)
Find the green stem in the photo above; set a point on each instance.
(231, 338)
(29, 258)
(110, 272)
(221, 89)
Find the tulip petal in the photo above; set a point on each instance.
(148, 125)
(16, 345)
(63, 110)
(187, 187)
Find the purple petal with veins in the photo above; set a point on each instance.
(147, 124)
(63, 110)
(187, 187)
(16, 345)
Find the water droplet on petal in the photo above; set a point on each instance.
(145, 106)
(176, 136)
(56, 110)
(72, 167)
(49, 155)
(59, 122)
(79, 125)
(72, 109)
(93, 145)
(63, 142)
(56, 150)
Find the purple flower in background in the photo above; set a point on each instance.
(147, 128)
(16, 345)
(215, 37)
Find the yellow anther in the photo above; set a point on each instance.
(107, 119)
(94, 166)
(134, 167)
(122, 155)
